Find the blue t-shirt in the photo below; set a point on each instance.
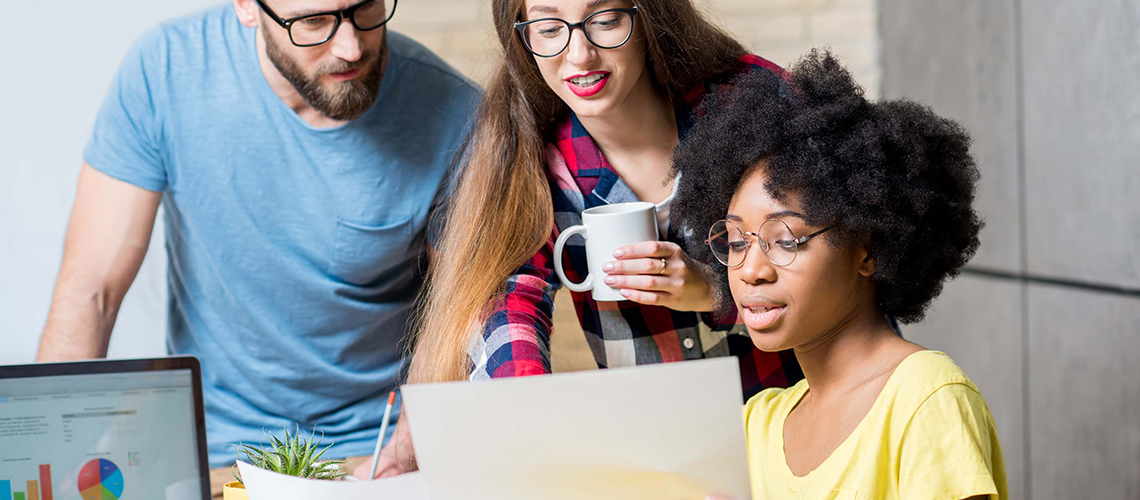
(294, 253)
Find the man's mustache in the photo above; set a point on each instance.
(340, 66)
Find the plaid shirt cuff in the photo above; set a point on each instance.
(516, 336)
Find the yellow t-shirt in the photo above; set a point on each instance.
(929, 435)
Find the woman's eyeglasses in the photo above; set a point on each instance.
(606, 29)
(730, 244)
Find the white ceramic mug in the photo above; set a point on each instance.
(605, 229)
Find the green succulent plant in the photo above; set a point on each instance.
(294, 455)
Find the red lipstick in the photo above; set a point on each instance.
(588, 84)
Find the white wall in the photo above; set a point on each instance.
(57, 64)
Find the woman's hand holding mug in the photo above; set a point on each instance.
(646, 271)
(659, 273)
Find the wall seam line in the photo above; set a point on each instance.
(1023, 243)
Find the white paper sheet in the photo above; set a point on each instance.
(660, 432)
(261, 484)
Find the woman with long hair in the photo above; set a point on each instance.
(584, 110)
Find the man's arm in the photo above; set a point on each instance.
(107, 238)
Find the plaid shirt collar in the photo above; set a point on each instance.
(582, 154)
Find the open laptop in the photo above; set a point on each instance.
(103, 430)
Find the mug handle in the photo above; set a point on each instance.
(585, 285)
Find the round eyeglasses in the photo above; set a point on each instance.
(314, 29)
(730, 244)
(606, 29)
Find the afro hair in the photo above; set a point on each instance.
(892, 174)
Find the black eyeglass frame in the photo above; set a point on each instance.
(748, 241)
(346, 13)
(521, 26)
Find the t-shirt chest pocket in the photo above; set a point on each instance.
(363, 254)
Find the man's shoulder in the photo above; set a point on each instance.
(191, 34)
(422, 63)
(201, 22)
(186, 38)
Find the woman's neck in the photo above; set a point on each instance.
(638, 138)
(642, 121)
(858, 349)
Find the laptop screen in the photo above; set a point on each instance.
(99, 436)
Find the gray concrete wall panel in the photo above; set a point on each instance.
(959, 58)
(1084, 396)
(1082, 139)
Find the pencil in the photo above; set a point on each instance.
(383, 431)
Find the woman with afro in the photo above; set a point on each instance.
(826, 215)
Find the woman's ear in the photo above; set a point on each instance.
(866, 263)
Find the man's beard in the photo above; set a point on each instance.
(349, 99)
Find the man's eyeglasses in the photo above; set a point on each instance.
(548, 37)
(730, 244)
(314, 29)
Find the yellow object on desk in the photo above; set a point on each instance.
(234, 490)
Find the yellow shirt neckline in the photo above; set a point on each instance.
(800, 390)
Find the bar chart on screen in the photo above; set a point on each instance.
(37, 489)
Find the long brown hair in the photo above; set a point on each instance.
(501, 212)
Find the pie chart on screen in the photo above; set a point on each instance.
(100, 479)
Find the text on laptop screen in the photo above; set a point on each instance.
(98, 437)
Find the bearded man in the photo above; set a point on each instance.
(298, 149)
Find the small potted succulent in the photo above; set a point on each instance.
(294, 456)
